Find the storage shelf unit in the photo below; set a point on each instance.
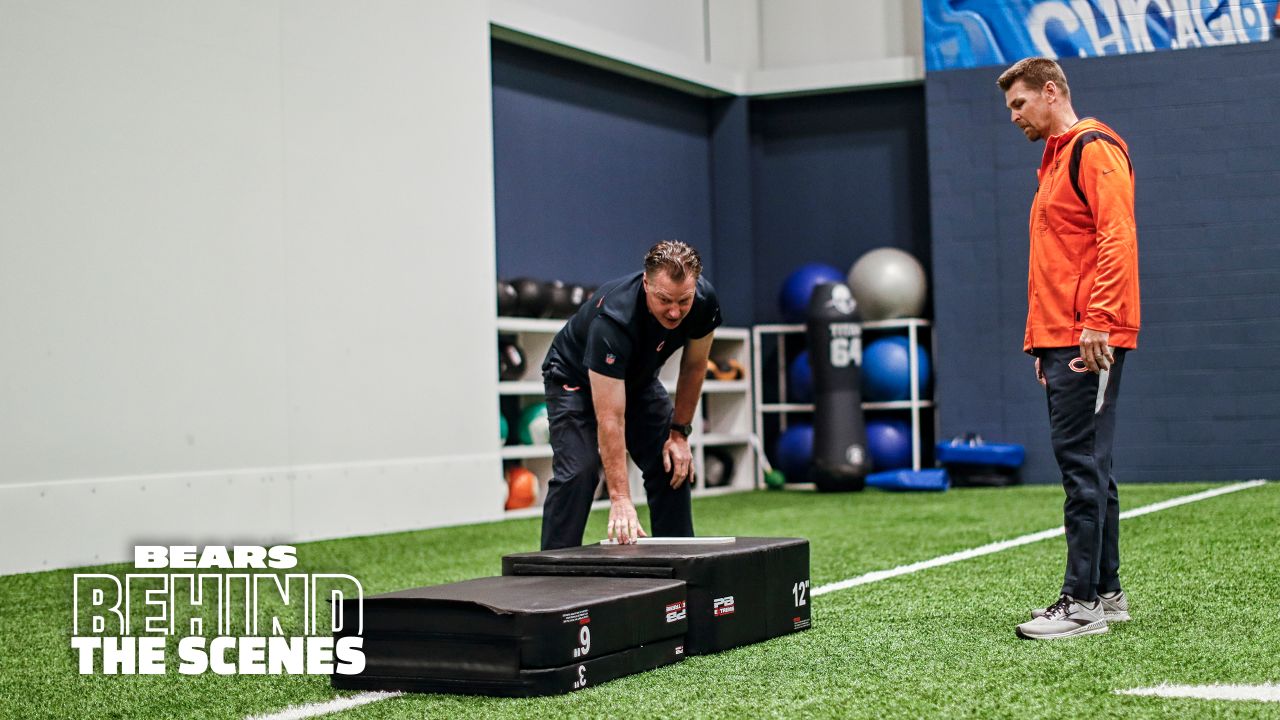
(723, 420)
(779, 334)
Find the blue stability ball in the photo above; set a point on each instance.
(800, 379)
(795, 452)
(886, 374)
(793, 301)
(889, 442)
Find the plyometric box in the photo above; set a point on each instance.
(740, 590)
(517, 636)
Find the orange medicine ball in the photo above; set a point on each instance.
(522, 488)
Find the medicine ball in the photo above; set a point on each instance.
(889, 442)
(508, 301)
(717, 468)
(511, 362)
(531, 297)
(534, 429)
(522, 488)
(793, 299)
(559, 300)
(795, 452)
(886, 374)
(726, 368)
(800, 379)
(578, 295)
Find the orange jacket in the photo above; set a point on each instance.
(1084, 241)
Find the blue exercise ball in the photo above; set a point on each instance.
(793, 300)
(886, 370)
(795, 452)
(800, 379)
(889, 442)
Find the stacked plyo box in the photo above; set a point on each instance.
(740, 590)
(561, 620)
(517, 636)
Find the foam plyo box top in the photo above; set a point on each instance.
(740, 590)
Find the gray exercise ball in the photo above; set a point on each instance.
(888, 283)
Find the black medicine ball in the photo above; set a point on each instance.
(511, 362)
(531, 297)
(508, 300)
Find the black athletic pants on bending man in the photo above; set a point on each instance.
(575, 466)
(1082, 421)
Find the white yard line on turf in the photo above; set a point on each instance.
(1266, 692)
(308, 711)
(298, 712)
(995, 547)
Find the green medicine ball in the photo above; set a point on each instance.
(533, 425)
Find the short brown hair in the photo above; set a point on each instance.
(1035, 72)
(677, 258)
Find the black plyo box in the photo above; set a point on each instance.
(517, 635)
(740, 592)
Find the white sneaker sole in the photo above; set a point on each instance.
(1111, 615)
(1094, 628)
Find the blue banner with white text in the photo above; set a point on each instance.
(976, 33)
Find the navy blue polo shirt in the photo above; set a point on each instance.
(615, 335)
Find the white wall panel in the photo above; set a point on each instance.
(242, 234)
(744, 47)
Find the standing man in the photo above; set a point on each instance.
(604, 398)
(1082, 318)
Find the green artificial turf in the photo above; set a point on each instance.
(1202, 578)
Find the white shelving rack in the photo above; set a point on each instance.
(779, 334)
(724, 418)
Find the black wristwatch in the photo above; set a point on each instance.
(685, 430)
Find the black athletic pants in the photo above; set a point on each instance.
(1082, 421)
(575, 466)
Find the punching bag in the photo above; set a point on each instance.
(840, 458)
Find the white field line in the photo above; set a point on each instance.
(995, 547)
(300, 712)
(1266, 692)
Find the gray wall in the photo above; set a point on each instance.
(1201, 396)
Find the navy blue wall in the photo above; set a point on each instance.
(591, 168)
(1201, 396)
(834, 176)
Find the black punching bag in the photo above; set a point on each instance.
(840, 458)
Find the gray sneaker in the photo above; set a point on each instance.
(1115, 607)
(1065, 618)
